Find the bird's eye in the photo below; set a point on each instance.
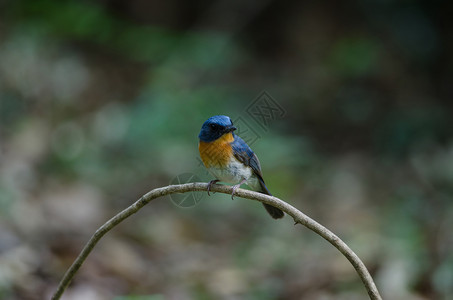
(213, 126)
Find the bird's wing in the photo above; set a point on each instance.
(245, 155)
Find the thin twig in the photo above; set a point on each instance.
(297, 215)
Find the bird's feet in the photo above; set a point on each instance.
(214, 181)
(236, 186)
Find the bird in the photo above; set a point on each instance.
(229, 159)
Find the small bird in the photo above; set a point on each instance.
(229, 159)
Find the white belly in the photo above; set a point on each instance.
(234, 173)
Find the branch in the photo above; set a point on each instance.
(297, 215)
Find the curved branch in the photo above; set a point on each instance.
(297, 215)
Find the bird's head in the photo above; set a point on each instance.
(215, 127)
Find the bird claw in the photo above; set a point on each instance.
(236, 186)
(214, 181)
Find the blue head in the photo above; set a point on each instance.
(215, 127)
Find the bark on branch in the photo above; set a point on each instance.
(297, 215)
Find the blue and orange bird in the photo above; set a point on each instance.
(229, 159)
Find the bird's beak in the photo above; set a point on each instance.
(230, 128)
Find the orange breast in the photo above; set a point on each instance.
(218, 152)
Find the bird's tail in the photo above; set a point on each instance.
(273, 211)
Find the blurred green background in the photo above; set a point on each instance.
(102, 101)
